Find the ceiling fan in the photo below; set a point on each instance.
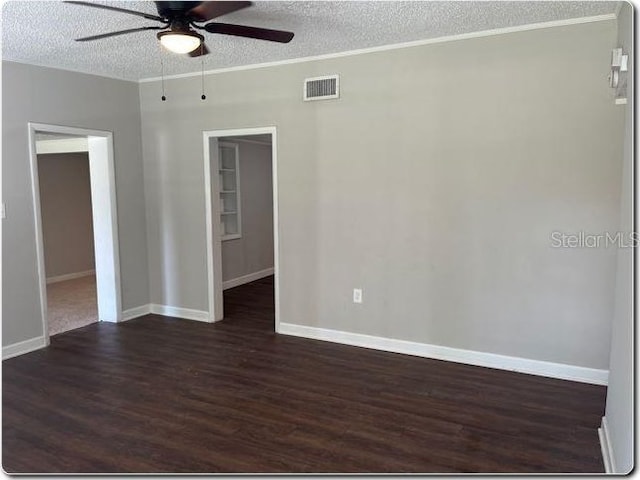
(179, 19)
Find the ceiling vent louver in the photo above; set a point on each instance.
(321, 88)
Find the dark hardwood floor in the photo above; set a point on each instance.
(158, 394)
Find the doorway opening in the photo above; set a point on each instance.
(73, 186)
(242, 223)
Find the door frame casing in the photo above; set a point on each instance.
(105, 224)
(213, 234)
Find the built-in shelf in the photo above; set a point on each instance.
(229, 188)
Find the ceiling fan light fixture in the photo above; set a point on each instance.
(180, 41)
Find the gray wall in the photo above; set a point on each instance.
(65, 200)
(253, 252)
(45, 95)
(433, 183)
(619, 411)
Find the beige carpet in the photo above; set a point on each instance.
(72, 304)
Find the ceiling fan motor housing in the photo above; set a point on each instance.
(171, 9)
(180, 25)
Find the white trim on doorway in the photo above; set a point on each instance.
(213, 234)
(105, 225)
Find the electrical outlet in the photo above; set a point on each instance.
(3, 211)
(357, 295)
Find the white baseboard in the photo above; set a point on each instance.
(136, 312)
(179, 312)
(167, 310)
(70, 276)
(605, 446)
(23, 347)
(252, 277)
(470, 357)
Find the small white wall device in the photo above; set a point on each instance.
(619, 63)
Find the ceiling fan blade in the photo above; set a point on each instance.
(249, 32)
(116, 9)
(201, 50)
(213, 9)
(113, 34)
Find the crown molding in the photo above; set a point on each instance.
(394, 46)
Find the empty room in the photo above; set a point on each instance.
(317, 237)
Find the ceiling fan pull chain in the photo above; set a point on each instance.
(203, 97)
(164, 98)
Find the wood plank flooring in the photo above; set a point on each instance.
(158, 394)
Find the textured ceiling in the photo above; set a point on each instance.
(42, 33)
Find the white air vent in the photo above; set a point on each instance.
(321, 88)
